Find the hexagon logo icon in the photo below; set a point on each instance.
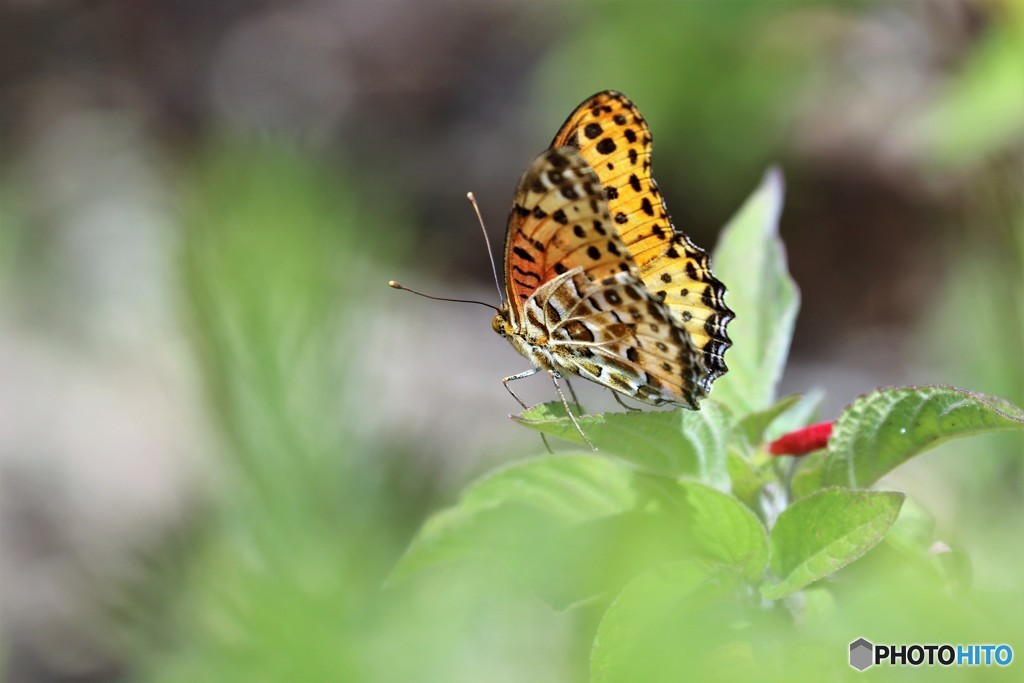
(862, 654)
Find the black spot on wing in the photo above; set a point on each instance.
(557, 160)
(523, 254)
(526, 273)
(552, 312)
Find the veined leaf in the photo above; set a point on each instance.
(824, 532)
(673, 443)
(751, 261)
(885, 428)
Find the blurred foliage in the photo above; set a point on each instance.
(281, 576)
(977, 125)
(269, 267)
(8, 236)
(980, 110)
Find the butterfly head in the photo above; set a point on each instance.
(501, 324)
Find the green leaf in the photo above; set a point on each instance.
(824, 532)
(556, 491)
(751, 261)
(576, 527)
(647, 611)
(808, 476)
(885, 428)
(671, 443)
(727, 530)
(747, 467)
(747, 481)
(753, 426)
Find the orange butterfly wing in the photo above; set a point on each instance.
(559, 221)
(613, 137)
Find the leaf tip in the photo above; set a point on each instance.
(775, 179)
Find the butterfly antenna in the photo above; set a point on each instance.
(487, 241)
(395, 285)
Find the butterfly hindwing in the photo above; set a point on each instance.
(614, 332)
(614, 138)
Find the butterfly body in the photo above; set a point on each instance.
(598, 281)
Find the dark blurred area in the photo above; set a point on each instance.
(200, 203)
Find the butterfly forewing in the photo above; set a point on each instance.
(559, 221)
(613, 137)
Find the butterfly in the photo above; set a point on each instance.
(598, 281)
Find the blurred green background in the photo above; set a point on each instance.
(218, 427)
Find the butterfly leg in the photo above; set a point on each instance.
(572, 392)
(622, 403)
(521, 375)
(568, 411)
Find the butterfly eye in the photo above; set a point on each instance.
(498, 324)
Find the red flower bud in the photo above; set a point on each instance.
(802, 441)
